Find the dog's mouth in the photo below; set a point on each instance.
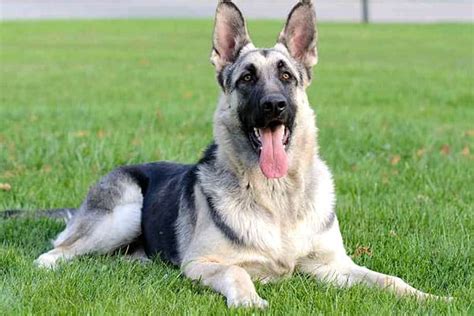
(271, 143)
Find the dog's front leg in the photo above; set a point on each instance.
(230, 280)
(346, 273)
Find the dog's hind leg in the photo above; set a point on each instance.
(109, 218)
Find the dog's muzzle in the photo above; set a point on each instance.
(271, 138)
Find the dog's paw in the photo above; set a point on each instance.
(47, 261)
(425, 296)
(446, 299)
(249, 301)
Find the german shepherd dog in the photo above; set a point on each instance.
(259, 204)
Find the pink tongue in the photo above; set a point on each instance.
(273, 158)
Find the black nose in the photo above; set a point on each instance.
(273, 105)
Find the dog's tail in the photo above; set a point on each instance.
(60, 213)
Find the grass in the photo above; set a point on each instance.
(395, 106)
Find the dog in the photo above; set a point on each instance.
(259, 205)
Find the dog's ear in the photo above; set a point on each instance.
(299, 35)
(230, 34)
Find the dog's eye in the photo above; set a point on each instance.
(247, 78)
(285, 76)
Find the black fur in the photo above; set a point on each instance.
(329, 222)
(208, 159)
(209, 155)
(162, 184)
(167, 188)
(251, 113)
(217, 219)
(265, 52)
(220, 79)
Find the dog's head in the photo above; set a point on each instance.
(263, 88)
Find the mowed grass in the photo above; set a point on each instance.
(395, 110)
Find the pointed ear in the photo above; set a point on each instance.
(230, 34)
(299, 35)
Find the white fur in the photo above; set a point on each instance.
(117, 228)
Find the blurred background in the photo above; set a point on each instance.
(328, 10)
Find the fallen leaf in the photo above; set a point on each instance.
(469, 133)
(80, 134)
(8, 174)
(465, 151)
(145, 62)
(159, 115)
(362, 250)
(5, 187)
(395, 160)
(136, 141)
(188, 95)
(445, 149)
(420, 152)
(46, 168)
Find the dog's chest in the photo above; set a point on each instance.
(278, 251)
(276, 228)
(277, 239)
(265, 220)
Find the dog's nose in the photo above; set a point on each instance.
(273, 104)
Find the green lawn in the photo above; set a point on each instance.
(395, 106)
